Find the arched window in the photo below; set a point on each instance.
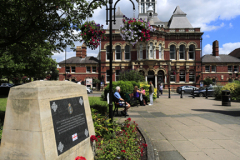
(118, 53)
(191, 76)
(173, 76)
(182, 76)
(182, 52)
(172, 52)
(140, 51)
(127, 52)
(160, 51)
(151, 52)
(191, 52)
(108, 53)
(214, 81)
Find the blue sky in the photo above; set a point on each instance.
(218, 19)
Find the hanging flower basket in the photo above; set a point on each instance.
(135, 30)
(92, 34)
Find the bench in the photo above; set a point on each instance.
(116, 104)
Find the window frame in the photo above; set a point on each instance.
(182, 52)
(151, 51)
(212, 69)
(172, 76)
(87, 69)
(191, 75)
(93, 69)
(173, 52)
(117, 75)
(206, 69)
(236, 69)
(67, 69)
(140, 51)
(231, 69)
(191, 52)
(160, 51)
(129, 52)
(182, 75)
(73, 69)
(118, 46)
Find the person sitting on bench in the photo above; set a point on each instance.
(137, 95)
(121, 101)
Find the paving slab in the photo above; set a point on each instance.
(192, 129)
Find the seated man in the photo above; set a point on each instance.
(121, 101)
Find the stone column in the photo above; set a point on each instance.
(146, 78)
(187, 56)
(123, 56)
(177, 52)
(155, 81)
(165, 79)
(139, 6)
(113, 54)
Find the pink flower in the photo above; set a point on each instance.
(93, 138)
(80, 158)
(123, 151)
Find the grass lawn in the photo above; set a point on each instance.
(3, 103)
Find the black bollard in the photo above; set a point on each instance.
(193, 93)
(206, 93)
(169, 92)
(181, 93)
(158, 93)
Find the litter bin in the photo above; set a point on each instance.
(226, 98)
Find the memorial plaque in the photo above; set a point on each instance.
(69, 121)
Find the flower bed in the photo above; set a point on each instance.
(134, 30)
(92, 34)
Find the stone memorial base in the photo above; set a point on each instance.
(47, 120)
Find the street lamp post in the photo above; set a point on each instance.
(110, 9)
(65, 62)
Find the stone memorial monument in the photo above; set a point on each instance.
(47, 120)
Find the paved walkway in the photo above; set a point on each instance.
(192, 129)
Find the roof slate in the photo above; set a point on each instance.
(78, 60)
(219, 59)
(235, 53)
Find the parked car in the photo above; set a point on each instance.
(6, 85)
(89, 90)
(186, 89)
(202, 92)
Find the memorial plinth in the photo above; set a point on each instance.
(48, 120)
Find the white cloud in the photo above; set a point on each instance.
(207, 36)
(225, 49)
(230, 25)
(202, 12)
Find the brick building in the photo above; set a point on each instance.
(220, 68)
(172, 56)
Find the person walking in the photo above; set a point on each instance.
(160, 88)
(151, 91)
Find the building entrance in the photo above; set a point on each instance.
(151, 77)
(160, 77)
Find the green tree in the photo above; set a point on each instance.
(131, 75)
(31, 23)
(17, 62)
(207, 81)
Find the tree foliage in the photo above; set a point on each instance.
(131, 75)
(207, 81)
(30, 23)
(17, 62)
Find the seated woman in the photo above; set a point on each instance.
(144, 95)
(137, 95)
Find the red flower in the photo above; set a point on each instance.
(93, 138)
(144, 145)
(123, 151)
(129, 119)
(80, 158)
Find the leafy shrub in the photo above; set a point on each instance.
(146, 87)
(207, 81)
(1, 129)
(126, 87)
(234, 89)
(99, 105)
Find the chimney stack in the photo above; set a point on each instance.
(81, 51)
(215, 48)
